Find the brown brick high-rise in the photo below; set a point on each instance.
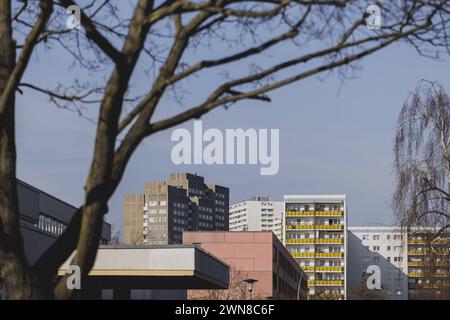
(184, 203)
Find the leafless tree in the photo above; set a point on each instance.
(361, 292)
(422, 159)
(237, 288)
(422, 195)
(233, 43)
(115, 236)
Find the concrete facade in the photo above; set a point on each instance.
(258, 214)
(251, 255)
(168, 208)
(385, 247)
(315, 235)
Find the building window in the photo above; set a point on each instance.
(50, 225)
(376, 237)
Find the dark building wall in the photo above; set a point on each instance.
(36, 242)
(34, 203)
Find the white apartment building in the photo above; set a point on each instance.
(257, 214)
(385, 247)
(315, 235)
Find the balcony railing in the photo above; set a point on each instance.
(425, 252)
(428, 263)
(323, 269)
(417, 274)
(316, 227)
(317, 254)
(330, 283)
(291, 213)
(317, 240)
(329, 254)
(423, 241)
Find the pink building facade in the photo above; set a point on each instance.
(251, 255)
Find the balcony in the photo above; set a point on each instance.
(326, 283)
(415, 252)
(330, 296)
(315, 227)
(302, 254)
(424, 241)
(315, 241)
(314, 213)
(317, 254)
(329, 254)
(330, 240)
(426, 263)
(329, 227)
(418, 274)
(300, 227)
(323, 269)
(415, 263)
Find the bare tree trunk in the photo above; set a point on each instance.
(13, 265)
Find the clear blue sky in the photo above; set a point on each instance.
(332, 139)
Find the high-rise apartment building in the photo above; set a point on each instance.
(413, 263)
(385, 248)
(315, 235)
(167, 208)
(428, 264)
(258, 214)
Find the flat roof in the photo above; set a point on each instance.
(157, 267)
(316, 197)
(374, 228)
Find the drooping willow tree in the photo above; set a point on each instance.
(235, 44)
(422, 159)
(422, 195)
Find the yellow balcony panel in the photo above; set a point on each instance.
(302, 254)
(330, 296)
(416, 252)
(299, 241)
(300, 227)
(293, 213)
(413, 252)
(329, 255)
(330, 283)
(415, 263)
(317, 240)
(417, 274)
(329, 227)
(329, 240)
(330, 213)
(423, 241)
(299, 213)
(328, 269)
